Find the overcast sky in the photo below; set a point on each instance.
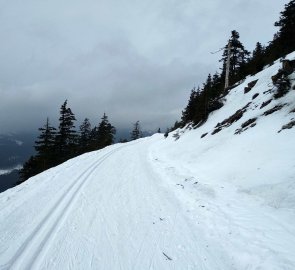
(133, 59)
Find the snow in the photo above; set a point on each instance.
(224, 201)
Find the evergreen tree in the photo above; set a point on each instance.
(189, 112)
(205, 100)
(286, 34)
(105, 133)
(166, 134)
(93, 142)
(201, 108)
(85, 137)
(66, 138)
(136, 132)
(207, 92)
(45, 146)
(238, 58)
(197, 108)
(217, 86)
(257, 62)
(30, 168)
(44, 159)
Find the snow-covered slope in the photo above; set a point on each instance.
(224, 201)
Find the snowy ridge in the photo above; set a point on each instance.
(223, 201)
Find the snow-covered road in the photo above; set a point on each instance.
(103, 210)
(124, 207)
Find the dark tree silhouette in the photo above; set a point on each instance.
(136, 132)
(105, 134)
(84, 141)
(66, 138)
(238, 58)
(45, 146)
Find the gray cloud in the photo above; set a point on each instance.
(131, 59)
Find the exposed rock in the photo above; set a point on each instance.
(281, 80)
(247, 89)
(265, 103)
(288, 126)
(203, 135)
(274, 109)
(248, 122)
(238, 131)
(292, 111)
(255, 96)
(288, 66)
(250, 86)
(253, 83)
(235, 117)
(230, 120)
(176, 136)
(267, 91)
(277, 76)
(216, 130)
(283, 86)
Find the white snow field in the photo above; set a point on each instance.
(224, 201)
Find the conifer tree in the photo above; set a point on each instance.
(285, 37)
(189, 112)
(257, 62)
(45, 146)
(93, 143)
(85, 136)
(216, 86)
(166, 134)
(66, 138)
(238, 58)
(207, 92)
(105, 133)
(30, 168)
(44, 159)
(136, 132)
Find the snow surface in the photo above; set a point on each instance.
(224, 201)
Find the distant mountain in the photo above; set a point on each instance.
(15, 149)
(8, 180)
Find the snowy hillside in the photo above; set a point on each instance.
(222, 196)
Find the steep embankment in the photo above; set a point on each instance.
(236, 173)
(223, 201)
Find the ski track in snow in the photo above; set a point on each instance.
(131, 222)
(31, 252)
(121, 209)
